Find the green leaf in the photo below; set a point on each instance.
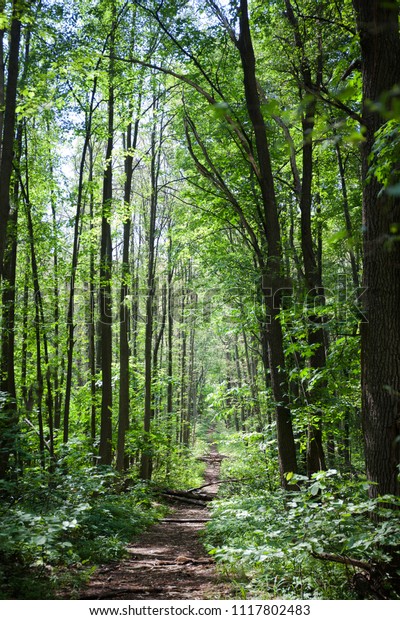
(315, 488)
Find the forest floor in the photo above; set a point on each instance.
(168, 561)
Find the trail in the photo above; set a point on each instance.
(167, 561)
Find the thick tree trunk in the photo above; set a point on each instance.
(378, 27)
(2, 80)
(7, 153)
(9, 414)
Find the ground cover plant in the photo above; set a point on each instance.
(328, 540)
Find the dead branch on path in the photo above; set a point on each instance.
(209, 484)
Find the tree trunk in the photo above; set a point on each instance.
(105, 447)
(146, 464)
(124, 350)
(7, 153)
(74, 265)
(378, 27)
(2, 80)
(347, 219)
(9, 414)
(183, 392)
(286, 445)
(91, 321)
(312, 273)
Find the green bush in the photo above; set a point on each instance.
(271, 543)
(61, 520)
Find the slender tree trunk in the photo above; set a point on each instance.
(74, 265)
(24, 347)
(146, 464)
(191, 382)
(105, 448)
(170, 332)
(124, 350)
(240, 386)
(312, 273)
(272, 279)
(183, 392)
(347, 219)
(56, 295)
(92, 297)
(157, 348)
(230, 403)
(135, 290)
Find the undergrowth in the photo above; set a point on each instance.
(56, 528)
(267, 541)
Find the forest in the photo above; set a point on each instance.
(199, 255)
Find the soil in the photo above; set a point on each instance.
(168, 561)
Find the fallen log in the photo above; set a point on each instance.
(205, 497)
(186, 500)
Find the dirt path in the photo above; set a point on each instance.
(168, 561)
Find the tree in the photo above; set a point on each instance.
(378, 26)
(8, 124)
(105, 448)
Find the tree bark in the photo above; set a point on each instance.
(105, 447)
(7, 153)
(312, 274)
(124, 349)
(146, 464)
(74, 265)
(286, 445)
(378, 27)
(9, 413)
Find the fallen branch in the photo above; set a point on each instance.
(343, 559)
(172, 562)
(205, 497)
(212, 458)
(186, 500)
(46, 443)
(209, 484)
(184, 520)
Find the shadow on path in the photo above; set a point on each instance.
(168, 561)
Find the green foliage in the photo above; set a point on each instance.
(385, 155)
(66, 520)
(267, 542)
(251, 461)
